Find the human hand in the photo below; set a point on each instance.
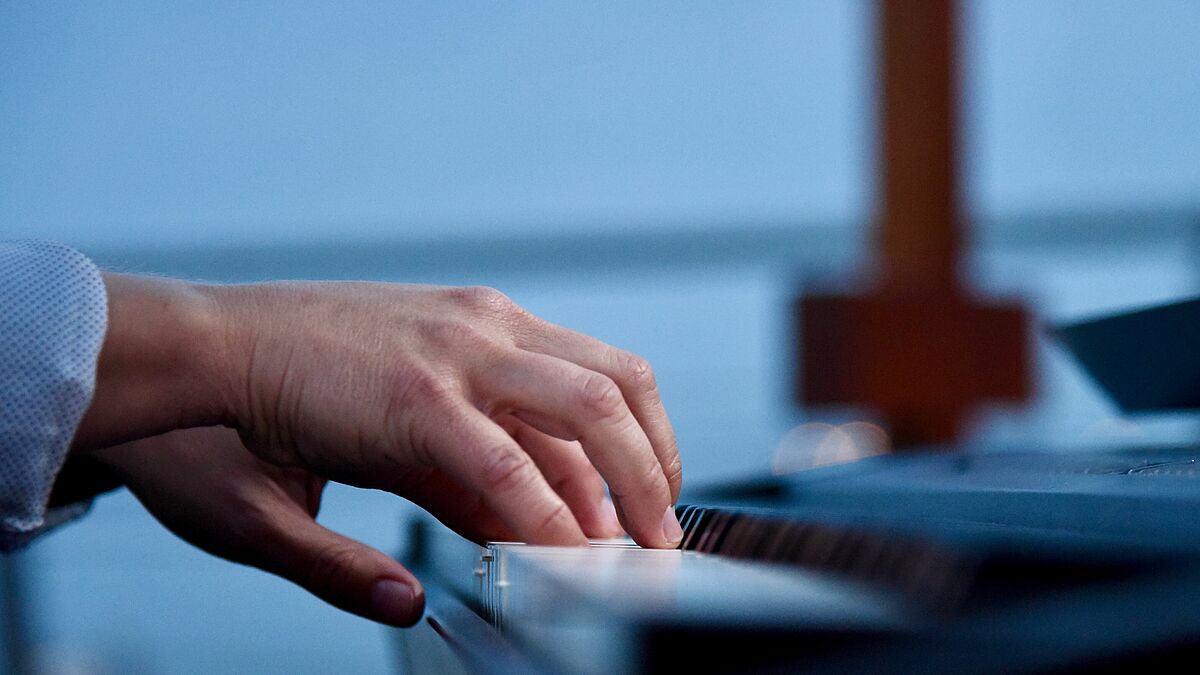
(203, 486)
(409, 389)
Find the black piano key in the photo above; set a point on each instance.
(697, 521)
(926, 573)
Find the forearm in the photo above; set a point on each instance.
(163, 364)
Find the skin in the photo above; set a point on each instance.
(226, 408)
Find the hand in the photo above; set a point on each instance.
(497, 422)
(406, 388)
(203, 486)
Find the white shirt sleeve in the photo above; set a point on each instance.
(53, 316)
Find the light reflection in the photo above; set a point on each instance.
(815, 444)
(1114, 427)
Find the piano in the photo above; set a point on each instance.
(979, 562)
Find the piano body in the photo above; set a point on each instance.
(1013, 562)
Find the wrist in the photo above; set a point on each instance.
(239, 320)
(260, 361)
(162, 364)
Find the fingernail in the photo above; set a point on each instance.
(671, 529)
(392, 601)
(609, 520)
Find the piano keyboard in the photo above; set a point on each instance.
(586, 610)
(937, 564)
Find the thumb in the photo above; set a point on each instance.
(343, 572)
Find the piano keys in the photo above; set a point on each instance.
(1014, 562)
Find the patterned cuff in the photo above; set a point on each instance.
(53, 317)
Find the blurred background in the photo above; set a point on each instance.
(666, 177)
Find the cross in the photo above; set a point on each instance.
(917, 346)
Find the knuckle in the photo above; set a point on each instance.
(557, 514)
(674, 471)
(332, 567)
(504, 469)
(653, 478)
(483, 298)
(599, 397)
(647, 484)
(637, 371)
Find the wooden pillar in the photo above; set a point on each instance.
(917, 347)
(920, 237)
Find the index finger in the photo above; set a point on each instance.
(633, 376)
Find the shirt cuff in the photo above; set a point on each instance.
(53, 317)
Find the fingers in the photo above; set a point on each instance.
(458, 508)
(570, 402)
(572, 476)
(482, 457)
(341, 571)
(633, 376)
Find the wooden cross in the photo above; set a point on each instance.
(916, 347)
